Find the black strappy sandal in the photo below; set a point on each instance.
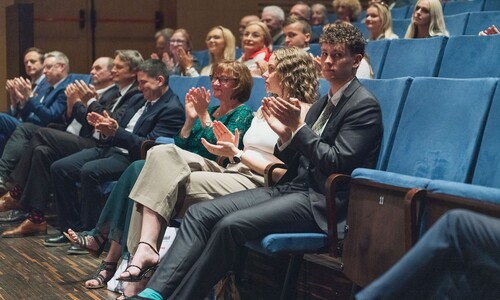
(110, 267)
(82, 241)
(147, 270)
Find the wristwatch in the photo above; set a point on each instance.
(237, 157)
(209, 124)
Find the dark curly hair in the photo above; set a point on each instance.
(344, 33)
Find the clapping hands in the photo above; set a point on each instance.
(227, 143)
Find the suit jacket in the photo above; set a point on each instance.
(107, 104)
(351, 139)
(52, 108)
(165, 118)
(39, 91)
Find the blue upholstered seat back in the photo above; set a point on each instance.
(377, 51)
(440, 128)
(362, 27)
(76, 76)
(455, 24)
(391, 95)
(487, 170)
(258, 92)
(491, 5)
(413, 57)
(399, 27)
(400, 12)
(180, 85)
(458, 7)
(315, 49)
(202, 57)
(481, 20)
(471, 57)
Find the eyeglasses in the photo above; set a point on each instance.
(222, 80)
(48, 67)
(177, 41)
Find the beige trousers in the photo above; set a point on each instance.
(172, 174)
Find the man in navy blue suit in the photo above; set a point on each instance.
(158, 112)
(34, 109)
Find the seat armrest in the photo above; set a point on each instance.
(268, 172)
(332, 184)
(145, 146)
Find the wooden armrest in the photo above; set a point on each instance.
(145, 146)
(332, 185)
(412, 198)
(57, 126)
(268, 172)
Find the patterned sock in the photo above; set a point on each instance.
(36, 216)
(16, 192)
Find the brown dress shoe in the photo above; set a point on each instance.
(8, 203)
(26, 228)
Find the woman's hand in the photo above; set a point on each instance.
(190, 100)
(185, 59)
(201, 101)
(224, 149)
(222, 134)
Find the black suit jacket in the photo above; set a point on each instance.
(351, 139)
(165, 118)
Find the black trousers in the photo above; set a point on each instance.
(90, 167)
(214, 232)
(15, 146)
(33, 169)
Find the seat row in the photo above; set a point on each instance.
(450, 8)
(436, 130)
(454, 57)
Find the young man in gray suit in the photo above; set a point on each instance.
(342, 131)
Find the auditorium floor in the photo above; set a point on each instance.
(29, 270)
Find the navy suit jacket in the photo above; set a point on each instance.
(165, 118)
(351, 139)
(51, 110)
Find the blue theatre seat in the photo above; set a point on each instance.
(479, 21)
(458, 7)
(455, 24)
(377, 51)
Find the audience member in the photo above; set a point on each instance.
(244, 22)
(273, 16)
(157, 112)
(256, 46)
(31, 174)
(427, 20)
(346, 10)
(37, 110)
(297, 32)
(346, 136)
(221, 46)
(490, 31)
(162, 44)
(301, 10)
(379, 22)
(232, 84)
(31, 178)
(458, 258)
(182, 61)
(319, 14)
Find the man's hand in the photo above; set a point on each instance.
(72, 97)
(104, 124)
(85, 92)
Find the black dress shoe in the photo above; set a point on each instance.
(56, 241)
(77, 250)
(13, 215)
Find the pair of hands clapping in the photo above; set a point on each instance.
(283, 116)
(104, 124)
(227, 143)
(197, 101)
(19, 90)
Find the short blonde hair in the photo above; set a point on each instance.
(268, 39)
(230, 42)
(240, 71)
(298, 74)
(436, 26)
(353, 5)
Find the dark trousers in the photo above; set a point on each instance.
(15, 146)
(458, 258)
(7, 126)
(89, 167)
(213, 233)
(33, 169)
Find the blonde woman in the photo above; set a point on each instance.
(221, 45)
(346, 10)
(256, 45)
(427, 21)
(379, 22)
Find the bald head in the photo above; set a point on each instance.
(301, 10)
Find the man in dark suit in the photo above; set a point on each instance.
(36, 110)
(158, 112)
(30, 180)
(31, 175)
(342, 131)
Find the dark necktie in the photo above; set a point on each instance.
(148, 105)
(49, 90)
(323, 118)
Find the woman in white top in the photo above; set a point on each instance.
(291, 74)
(427, 20)
(379, 22)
